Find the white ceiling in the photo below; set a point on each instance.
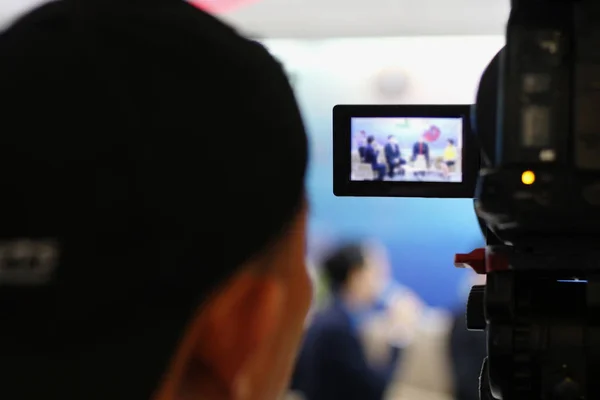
(335, 18)
(11, 9)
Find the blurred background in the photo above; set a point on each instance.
(382, 52)
(391, 52)
(422, 235)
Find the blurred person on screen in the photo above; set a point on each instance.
(393, 156)
(420, 157)
(129, 281)
(467, 349)
(450, 157)
(333, 362)
(371, 157)
(362, 144)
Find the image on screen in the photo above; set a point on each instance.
(407, 149)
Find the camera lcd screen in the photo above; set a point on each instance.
(404, 151)
(411, 149)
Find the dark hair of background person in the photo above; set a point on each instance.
(340, 264)
(370, 139)
(451, 141)
(104, 107)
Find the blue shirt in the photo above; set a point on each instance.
(356, 317)
(332, 364)
(371, 155)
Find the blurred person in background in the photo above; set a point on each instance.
(334, 362)
(467, 349)
(127, 281)
(371, 157)
(394, 298)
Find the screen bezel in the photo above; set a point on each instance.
(342, 147)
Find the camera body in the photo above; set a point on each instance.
(545, 126)
(529, 156)
(535, 117)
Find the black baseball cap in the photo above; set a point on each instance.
(147, 151)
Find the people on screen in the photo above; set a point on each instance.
(420, 157)
(371, 157)
(362, 144)
(393, 156)
(450, 157)
(333, 362)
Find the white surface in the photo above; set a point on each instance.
(343, 18)
(12, 9)
(391, 81)
(444, 70)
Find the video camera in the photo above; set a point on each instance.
(528, 153)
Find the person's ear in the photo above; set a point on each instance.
(235, 325)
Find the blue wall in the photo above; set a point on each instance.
(422, 235)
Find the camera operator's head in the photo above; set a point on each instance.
(356, 273)
(134, 262)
